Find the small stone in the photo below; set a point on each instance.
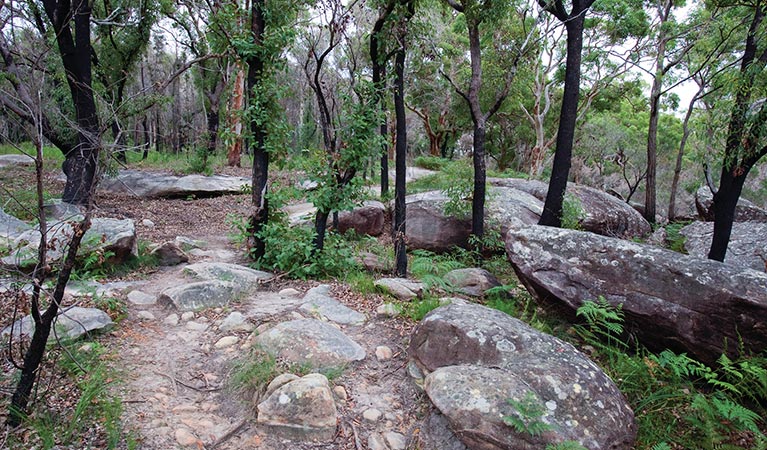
(388, 310)
(196, 326)
(141, 298)
(377, 442)
(146, 315)
(86, 348)
(189, 315)
(372, 415)
(226, 341)
(340, 393)
(171, 320)
(235, 322)
(185, 438)
(147, 223)
(395, 440)
(383, 353)
(289, 292)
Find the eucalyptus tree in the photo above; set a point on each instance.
(515, 40)
(746, 142)
(573, 21)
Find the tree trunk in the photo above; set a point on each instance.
(379, 69)
(478, 119)
(320, 227)
(552, 209)
(213, 122)
(399, 225)
(235, 123)
(739, 156)
(652, 136)
(258, 131)
(679, 157)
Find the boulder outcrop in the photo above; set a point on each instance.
(670, 300)
(481, 362)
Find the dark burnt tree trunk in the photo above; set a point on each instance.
(258, 132)
(574, 21)
(379, 75)
(745, 136)
(399, 225)
(80, 163)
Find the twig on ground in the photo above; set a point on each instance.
(229, 434)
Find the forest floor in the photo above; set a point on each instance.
(174, 381)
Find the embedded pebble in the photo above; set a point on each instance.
(171, 320)
(146, 315)
(372, 415)
(340, 393)
(376, 442)
(185, 437)
(289, 292)
(189, 315)
(226, 341)
(388, 310)
(141, 298)
(383, 353)
(196, 326)
(395, 440)
(147, 223)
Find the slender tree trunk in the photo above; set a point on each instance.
(552, 209)
(213, 123)
(234, 152)
(258, 131)
(320, 228)
(379, 69)
(652, 134)
(680, 157)
(400, 250)
(740, 154)
(478, 119)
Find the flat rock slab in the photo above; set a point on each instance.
(16, 161)
(471, 281)
(115, 236)
(318, 301)
(71, 323)
(244, 277)
(10, 227)
(312, 343)
(401, 288)
(200, 295)
(670, 300)
(148, 184)
(747, 248)
(302, 409)
(478, 358)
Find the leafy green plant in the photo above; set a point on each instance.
(199, 162)
(430, 268)
(604, 322)
(572, 212)
(674, 239)
(528, 415)
(418, 308)
(567, 445)
(430, 162)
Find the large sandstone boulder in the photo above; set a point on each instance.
(429, 228)
(367, 219)
(16, 161)
(311, 343)
(301, 409)
(71, 323)
(507, 207)
(478, 359)
(604, 214)
(745, 211)
(148, 184)
(747, 248)
(114, 236)
(670, 300)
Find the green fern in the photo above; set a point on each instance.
(527, 416)
(661, 446)
(567, 445)
(604, 324)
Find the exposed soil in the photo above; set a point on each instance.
(176, 382)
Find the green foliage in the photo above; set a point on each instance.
(430, 268)
(430, 162)
(663, 389)
(528, 415)
(572, 212)
(254, 372)
(93, 381)
(675, 239)
(567, 445)
(459, 190)
(200, 162)
(418, 308)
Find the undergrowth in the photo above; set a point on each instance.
(680, 402)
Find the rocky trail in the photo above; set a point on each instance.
(177, 366)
